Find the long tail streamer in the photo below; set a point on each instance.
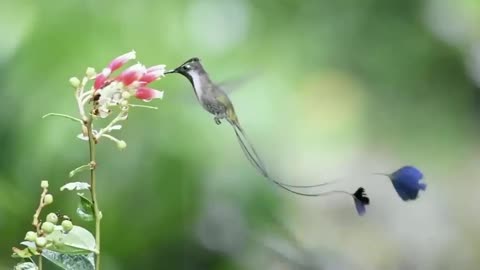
(257, 162)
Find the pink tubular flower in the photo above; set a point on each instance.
(152, 74)
(132, 74)
(146, 93)
(101, 78)
(121, 60)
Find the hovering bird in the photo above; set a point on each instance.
(215, 101)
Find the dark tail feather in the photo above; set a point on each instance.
(255, 160)
(359, 197)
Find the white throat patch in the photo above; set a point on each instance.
(197, 83)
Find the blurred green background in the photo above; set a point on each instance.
(336, 89)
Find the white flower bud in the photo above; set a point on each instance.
(48, 227)
(126, 95)
(67, 225)
(52, 217)
(75, 82)
(48, 199)
(121, 144)
(124, 103)
(90, 72)
(31, 236)
(44, 184)
(41, 241)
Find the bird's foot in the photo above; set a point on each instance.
(217, 120)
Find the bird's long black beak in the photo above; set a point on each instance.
(171, 71)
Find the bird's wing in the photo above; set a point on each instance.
(227, 86)
(232, 85)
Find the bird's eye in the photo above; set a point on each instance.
(186, 67)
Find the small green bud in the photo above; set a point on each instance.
(67, 225)
(41, 241)
(75, 82)
(44, 184)
(52, 218)
(121, 144)
(48, 199)
(48, 227)
(90, 72)
(31, 236)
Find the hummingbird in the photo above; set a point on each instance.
(215, 101)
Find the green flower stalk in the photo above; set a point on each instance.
(106, 95)
(97, 95)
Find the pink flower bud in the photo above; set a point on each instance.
(153, 73)
(132, 74)
(101, 78)
(121, 60)
(146, 93)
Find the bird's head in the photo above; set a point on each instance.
(189, 69)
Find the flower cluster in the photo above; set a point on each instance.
(110, 91)
(107, 94)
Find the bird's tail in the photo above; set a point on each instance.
(249, 150)
(257, 162)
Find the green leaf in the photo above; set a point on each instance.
(76, 241)
(31, 247)
(70, 262)
(25, 266)
(75, 186)
(85, 209)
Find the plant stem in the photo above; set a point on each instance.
(36, 221)
(119, 117)
(40, 266)
(93, 188)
